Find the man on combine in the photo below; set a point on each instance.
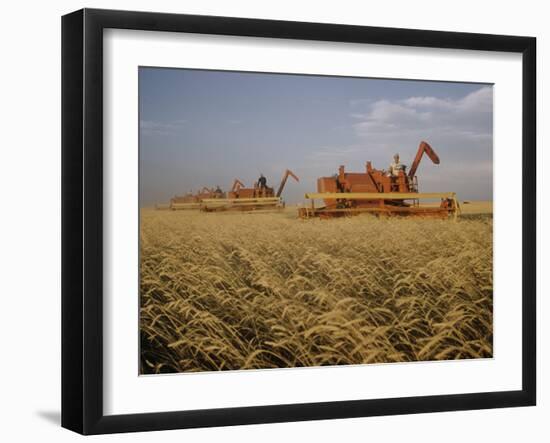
(262, 184)
(395, 167)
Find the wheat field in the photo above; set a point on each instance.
(237, 291)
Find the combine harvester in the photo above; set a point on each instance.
(379, 192)
(249, 199)
(194, 201)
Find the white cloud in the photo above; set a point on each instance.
(460, 130)
(469, 117)
(429, 102)
(478, 101)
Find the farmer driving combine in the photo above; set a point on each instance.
(262, 184)
(396, 166)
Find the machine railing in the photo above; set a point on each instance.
(379, 195)
(413, 197)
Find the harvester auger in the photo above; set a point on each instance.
(383, 193)
(258, 197)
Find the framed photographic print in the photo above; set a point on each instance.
(268, 221)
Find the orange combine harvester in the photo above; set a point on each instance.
(379, 192)
(258, 197)
(194, 201)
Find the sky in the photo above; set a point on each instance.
(206, 128)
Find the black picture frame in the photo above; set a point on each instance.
(82, 219)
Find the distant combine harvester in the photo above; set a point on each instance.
(239, 198)
(258, 197)
(193, 201)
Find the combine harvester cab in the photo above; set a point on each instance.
(257, 198)
(380, 193)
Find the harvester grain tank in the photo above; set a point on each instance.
(379, 192)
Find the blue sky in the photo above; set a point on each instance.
(206, 128)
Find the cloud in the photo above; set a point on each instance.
(428, 102)
(459, 129)
(149, 127)
(468, 118)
